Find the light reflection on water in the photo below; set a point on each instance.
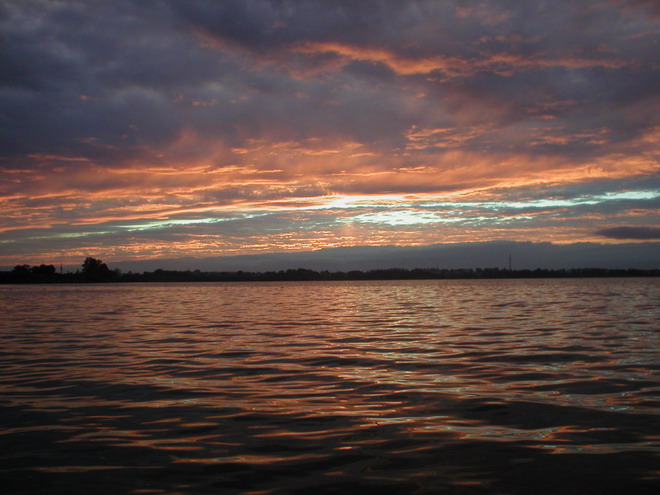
(407, 386)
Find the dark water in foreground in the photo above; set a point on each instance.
(514, 386)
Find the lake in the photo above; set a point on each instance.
(402, 387)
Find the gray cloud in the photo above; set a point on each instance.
(644, 233)
(125, 73)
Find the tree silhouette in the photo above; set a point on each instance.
(44, 270)
(95, 270)
(22, 269)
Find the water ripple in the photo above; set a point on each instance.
(537, 386)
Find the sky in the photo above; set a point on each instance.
(134, 130)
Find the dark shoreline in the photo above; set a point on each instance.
(45, 276)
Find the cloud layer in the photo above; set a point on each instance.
(134, 130)
(631, 233)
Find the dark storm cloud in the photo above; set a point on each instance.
(643, 233)
(113, 78)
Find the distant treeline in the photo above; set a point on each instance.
(94, 270)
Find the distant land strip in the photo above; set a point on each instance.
(96, 271)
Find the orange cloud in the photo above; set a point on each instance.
(500, 63)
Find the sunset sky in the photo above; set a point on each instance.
(135, 130)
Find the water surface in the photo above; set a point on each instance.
(445, 386)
